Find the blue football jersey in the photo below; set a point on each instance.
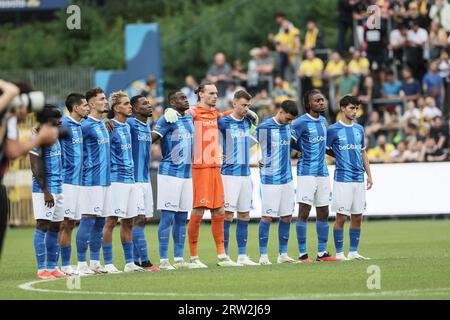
(141, 142)
(72, 152)
(53, 168)
(235, 140)
(275, 142)
(96, 153)
(310, 136)
(347, 142)
(177, 146)
(122, 165)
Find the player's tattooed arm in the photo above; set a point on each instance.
(38, 170)
(367, 168)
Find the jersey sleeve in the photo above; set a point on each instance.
(161, 127)
(221, 124)
(296, 131)
(363, 142)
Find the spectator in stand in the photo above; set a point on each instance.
(398, 155)
(438, 40)
(411, 113)
(335, 67)
(391, 87)
(417, 39)
(410, 89)
(369, 90)
(189, 89)
(287, 43)
(399, 12)
(440, 132)
(412, 135)
(239, 75)
(264, 66)
(433, 84)
(345, 23)
(152, 91)
(398, 43)
(282, 91)
(444, 72)
(310, 72)
(220, 73)
(418, 10)
(229, 96)
(382, 151)
(392, 127)
(431, 110)
(376, 43)
(423, 123)
(432, 152)
(348, 84)
(359, 65)
(440, 13)
(374, 127)
(314, 38)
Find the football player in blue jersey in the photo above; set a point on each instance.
(346, 143)
(175, 193)
(118, 196)
(47, 199)
(309, 134)
(141, 195)
(72, 162)
(236, 141)
(95, 182)
(277, 188)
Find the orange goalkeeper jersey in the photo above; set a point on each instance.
(207, 151)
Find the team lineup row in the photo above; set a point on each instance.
(99, 172)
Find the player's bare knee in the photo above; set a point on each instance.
(356, 220)
(229, 216)
(303, 212)
(322, 213)
(287, 219)
(139, 221)
(267, 219)
(42, 225)
(244, 216)
(54, 226)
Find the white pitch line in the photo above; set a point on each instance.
(410, 293)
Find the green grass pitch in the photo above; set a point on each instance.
(413, 258)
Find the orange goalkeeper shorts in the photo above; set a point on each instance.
(208, 188)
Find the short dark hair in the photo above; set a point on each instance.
(307, 96)
(290, 106)
(242, 94)
(202, 86)
(171, 95)
(73, 99)
(279, 14)
(348, 99)
(134, 100)
(91, 93)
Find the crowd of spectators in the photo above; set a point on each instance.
(400, 69)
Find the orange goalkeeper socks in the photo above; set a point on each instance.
(217, 231)
(193, 231)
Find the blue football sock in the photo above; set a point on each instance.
(242, 236)
(136, 256)
(283, 236)
(39, 248)
(179, 234)
(96, 239)
(66, 253)
(164, 232)
(107, 253)
(140, 243)
(51, 244)
(226, 234)
(128, 251)
(338, 240)
(83, 235)
(301, 228)
(264, 229)
(322, 229)
(354, 239)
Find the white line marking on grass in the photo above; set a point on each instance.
(29, 286)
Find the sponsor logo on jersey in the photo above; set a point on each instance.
(350, 147)
(317, 139)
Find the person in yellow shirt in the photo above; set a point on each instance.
(310, 72)
(313, 37)
(382, 151)
(335, 67)
(287, 43)
(359, 65)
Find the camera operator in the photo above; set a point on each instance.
(15, 104)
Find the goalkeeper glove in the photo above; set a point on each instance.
(171, 115)
(253, 117)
